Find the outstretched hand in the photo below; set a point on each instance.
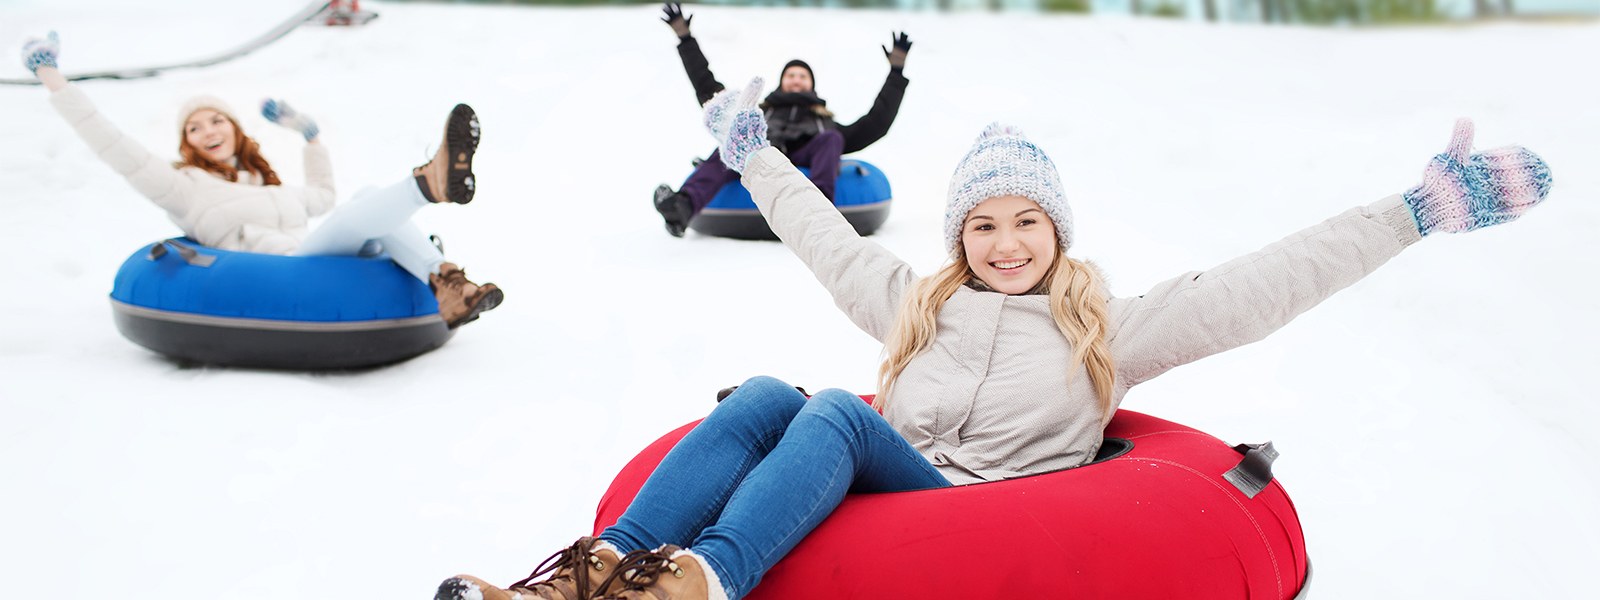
(1461, 191)
(902, 47)
(41, 52)
(281, 113)
(737, 124)
(672, 14)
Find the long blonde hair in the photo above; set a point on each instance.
(1077, 304)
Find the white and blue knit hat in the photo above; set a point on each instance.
(1004, 163)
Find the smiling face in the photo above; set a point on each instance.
(795, 79)
(212, 134)
(1010, 243)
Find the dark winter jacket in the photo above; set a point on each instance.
(794, 118)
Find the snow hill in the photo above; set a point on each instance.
(1437, 421)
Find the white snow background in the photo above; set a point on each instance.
(1437, 420)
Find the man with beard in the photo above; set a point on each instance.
(798, 123)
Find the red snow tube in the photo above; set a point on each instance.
(1159, 521)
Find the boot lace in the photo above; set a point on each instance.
(639, 569)
(575, 558)
(454, 278)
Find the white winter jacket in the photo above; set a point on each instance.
(244, 216)
(991, 398)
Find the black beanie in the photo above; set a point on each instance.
(802, 64)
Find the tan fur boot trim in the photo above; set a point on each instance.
(605, 545)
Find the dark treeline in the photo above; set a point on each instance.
(1268, 11)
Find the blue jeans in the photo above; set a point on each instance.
(763, 470)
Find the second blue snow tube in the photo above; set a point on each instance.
(862, 195)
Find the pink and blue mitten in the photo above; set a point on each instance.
(1461, 191)
(738, 124)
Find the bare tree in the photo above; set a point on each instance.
(1211, 10)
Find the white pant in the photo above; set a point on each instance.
(381, 216)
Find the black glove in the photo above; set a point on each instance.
(673, 12)
(902, 46)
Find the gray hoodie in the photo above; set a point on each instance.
(991, 398)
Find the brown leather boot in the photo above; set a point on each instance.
(575, 573)
(460, 300)
(667, 573)
(448, 177)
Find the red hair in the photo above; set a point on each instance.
(248, 152)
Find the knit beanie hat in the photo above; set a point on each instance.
(201, 102)
(798, 63)
(1004, 163)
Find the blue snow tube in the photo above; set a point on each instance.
(212, 306)
(862, 195)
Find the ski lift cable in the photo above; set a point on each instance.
(309, 13)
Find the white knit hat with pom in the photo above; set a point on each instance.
(1004, 163)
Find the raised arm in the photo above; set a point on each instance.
(1201, 313)
(152, 177)
(865, 280)
(39, 56)
(872, 126)
(694, 61)
(319, 195)
(1243, 300)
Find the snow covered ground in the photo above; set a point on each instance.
(1437, 422)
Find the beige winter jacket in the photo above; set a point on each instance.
(244, 216)
(991, 398)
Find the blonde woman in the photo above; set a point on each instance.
(1008, 361)
(224, 194)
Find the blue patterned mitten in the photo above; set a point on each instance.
(738, 125)
(281, 113)
(1461, 191)
(38, 52)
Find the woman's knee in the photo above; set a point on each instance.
(839, 403)
(767, 387)
(764, 395)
